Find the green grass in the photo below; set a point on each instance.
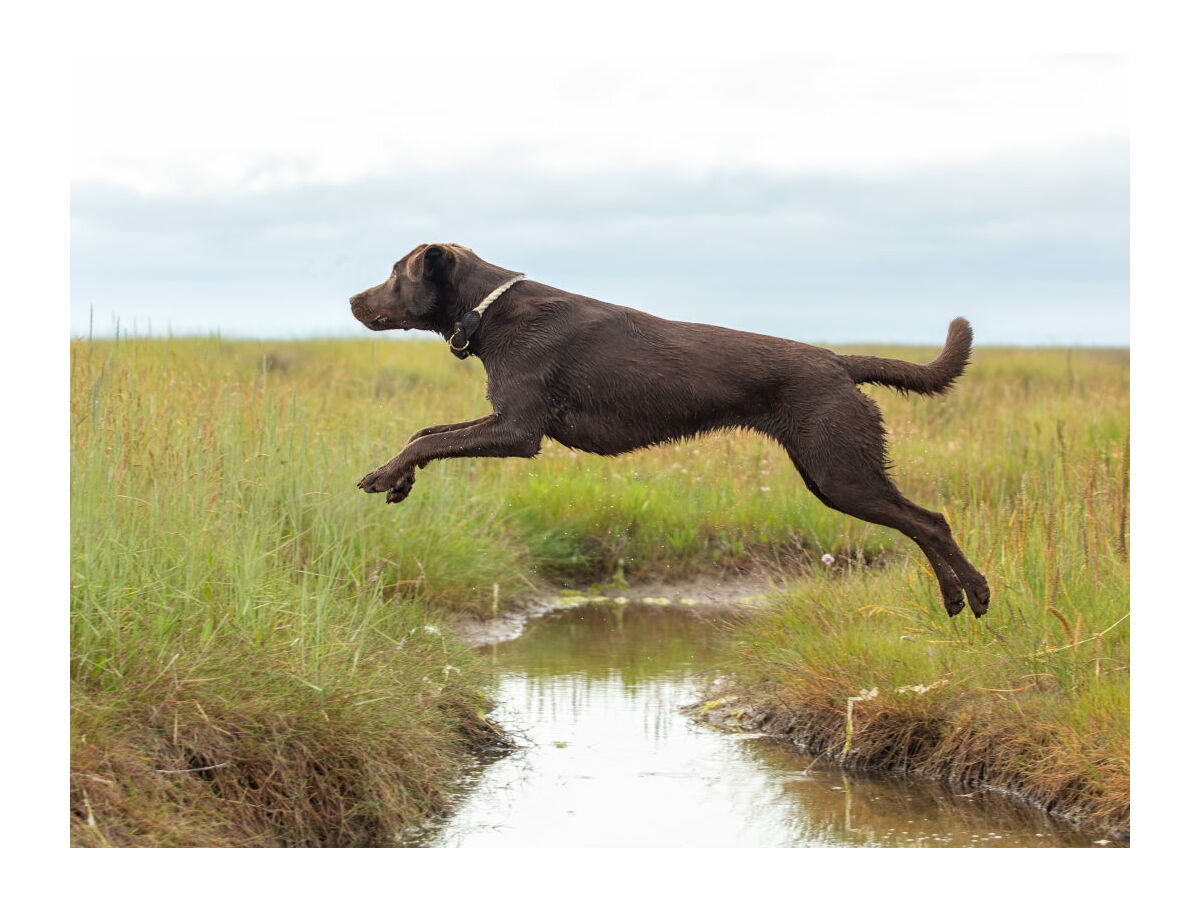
(227, 575)
(222, 560)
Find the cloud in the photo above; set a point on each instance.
(179, 124)
(1032, 247)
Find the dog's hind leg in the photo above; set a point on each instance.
(951, 590)
(842, 461)
(929, 529)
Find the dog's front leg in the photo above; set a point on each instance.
(439, 429)
(493, 436)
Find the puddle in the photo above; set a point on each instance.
(610, 761)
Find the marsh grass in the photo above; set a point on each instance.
(232, 590)
(231, 605)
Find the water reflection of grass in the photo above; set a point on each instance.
(885, 810)
(222, 561)
(637, 643)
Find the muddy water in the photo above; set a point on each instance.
(610, 761)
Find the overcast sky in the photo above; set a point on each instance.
(827, 199)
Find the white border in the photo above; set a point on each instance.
(1166, 201)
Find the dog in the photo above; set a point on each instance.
(608, 379)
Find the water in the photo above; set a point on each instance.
(611, 762)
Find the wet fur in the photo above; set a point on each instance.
(608, 379)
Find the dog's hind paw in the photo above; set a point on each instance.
(953, 608)
(980, 597)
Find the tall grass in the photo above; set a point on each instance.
(235, 602)
(222, 560)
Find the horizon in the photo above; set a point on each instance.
(431, 337)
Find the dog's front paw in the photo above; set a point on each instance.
(382, 479)
(398, 492)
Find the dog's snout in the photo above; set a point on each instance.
(361, 309)
(368, 313)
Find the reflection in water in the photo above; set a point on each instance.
(612, 763)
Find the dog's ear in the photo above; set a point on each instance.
(426, 261)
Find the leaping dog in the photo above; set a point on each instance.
(608, 379)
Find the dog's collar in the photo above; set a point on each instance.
(465, 328)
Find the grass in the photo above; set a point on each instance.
(237, 603)
(231, 607)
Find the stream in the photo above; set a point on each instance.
(608, 760)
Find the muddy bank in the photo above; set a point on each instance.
(964, 754)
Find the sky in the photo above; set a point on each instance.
(828, 199)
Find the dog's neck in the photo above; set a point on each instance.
(464, 289)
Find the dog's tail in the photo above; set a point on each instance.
(933, 378)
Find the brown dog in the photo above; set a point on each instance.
(608, 379)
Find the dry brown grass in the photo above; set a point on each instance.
(263, 763)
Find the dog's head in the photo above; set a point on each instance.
(413, 295)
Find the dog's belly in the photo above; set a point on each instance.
(611, 432)
(593, 435)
